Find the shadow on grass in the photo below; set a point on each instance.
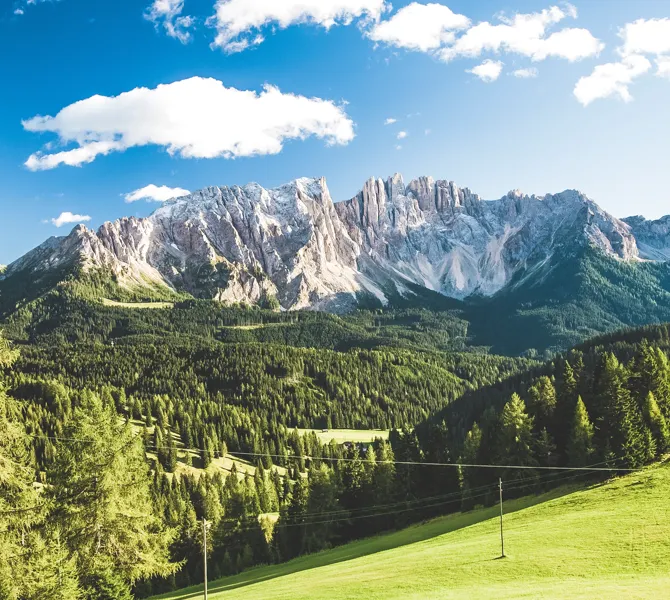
(386, 541)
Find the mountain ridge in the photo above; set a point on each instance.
(294, 244)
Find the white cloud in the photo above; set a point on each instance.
(168, 13)
(21, 5)
(420, 27)
(645, 36)
(398, 147)
(156, 194)
(238, 21)
(611, 79)
(488, 71)
(663, 66)
(390, 121)
(193, 118)
(401, 135)
(526, 34)
(529, 73)
(66, 218)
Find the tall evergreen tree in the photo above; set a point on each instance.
(621, 423)
(580, 442)
(470, 456)
(656, 423)
(33, 562)
(99, 487)
(565, 406)
(515, 441)
(321, 526)
(542, 403)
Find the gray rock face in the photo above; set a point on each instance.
(653, 237)
(293, 242)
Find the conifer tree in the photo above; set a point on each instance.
(621, 419)
(320, 530)
(470, 456)
(515, 440)
(289, 530)
(99, 487)
(657, 423)
(33, 562)
(542, 402)
(580, 442)
(383, 483)
(565, 406)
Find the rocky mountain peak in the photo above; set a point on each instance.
(293, 242)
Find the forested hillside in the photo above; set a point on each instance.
(571, 297)
(200, 405)
(605, 403)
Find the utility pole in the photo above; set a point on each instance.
(502, 538)
(204, 550)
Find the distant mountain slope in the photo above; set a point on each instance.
(528, 273)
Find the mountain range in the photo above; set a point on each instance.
(393, 244)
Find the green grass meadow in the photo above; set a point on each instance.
(340, 436)
(606, 541)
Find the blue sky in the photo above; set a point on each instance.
(532, 133)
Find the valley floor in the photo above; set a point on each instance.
(607, 541)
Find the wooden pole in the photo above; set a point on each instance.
(204, 550)
(502, 537)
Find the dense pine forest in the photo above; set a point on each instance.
(123, 428)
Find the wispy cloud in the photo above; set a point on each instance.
(529, 73)
(20, 6)
(168, 14)
(155, 193)
(641, 40)
(67, 218)
(390, 121)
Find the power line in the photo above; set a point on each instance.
(439, 464)
(456, 494)
(378, 462)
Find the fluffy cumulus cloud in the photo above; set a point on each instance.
(436, 29)
(239, 22)
(421, 27)
(526, 34)
(611, 79)
(154, 193)
(67, 218)
(192, 118)
(646, 36)
(390, 121)
(168, 14)
(528, 73)
(401, 135)
(488, 71)
(640, 40)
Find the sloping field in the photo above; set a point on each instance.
(340, 436)
(114, 303)
(607, 541)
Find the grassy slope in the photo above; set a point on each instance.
(340, 436)
(608, 541)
